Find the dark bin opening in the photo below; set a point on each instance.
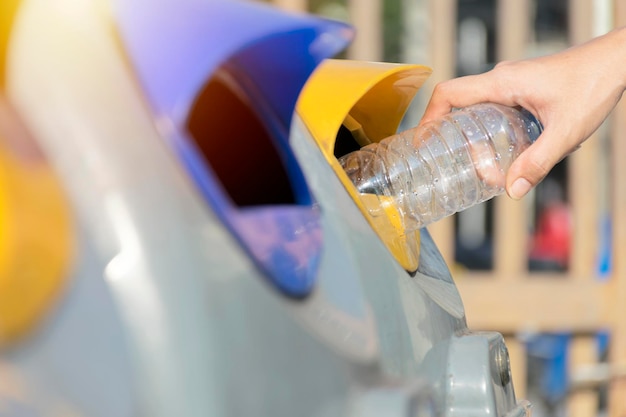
(237, 145)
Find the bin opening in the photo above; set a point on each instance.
(237, 145)
(345, 142)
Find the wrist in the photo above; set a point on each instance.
(617, 52)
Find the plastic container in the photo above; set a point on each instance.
(445, 166)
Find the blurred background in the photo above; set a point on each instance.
(540, 271)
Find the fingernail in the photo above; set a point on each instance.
(520, 188)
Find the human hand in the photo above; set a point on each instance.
(571, 93)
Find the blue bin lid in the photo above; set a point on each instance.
(175, 46)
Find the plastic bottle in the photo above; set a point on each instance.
(445, 166)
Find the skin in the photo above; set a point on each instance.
(571, 92)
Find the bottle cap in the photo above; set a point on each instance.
(533, 125)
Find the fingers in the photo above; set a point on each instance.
(534, 164)
(462, 92)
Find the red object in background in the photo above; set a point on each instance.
(552, 237)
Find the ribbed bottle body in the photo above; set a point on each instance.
(445, 166)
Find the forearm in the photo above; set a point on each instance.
(611, 49)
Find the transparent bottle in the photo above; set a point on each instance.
(445, 166)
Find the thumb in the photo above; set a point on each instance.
(534, 163)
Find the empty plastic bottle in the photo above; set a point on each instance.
(444, 166)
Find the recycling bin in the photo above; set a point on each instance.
(208, 255)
